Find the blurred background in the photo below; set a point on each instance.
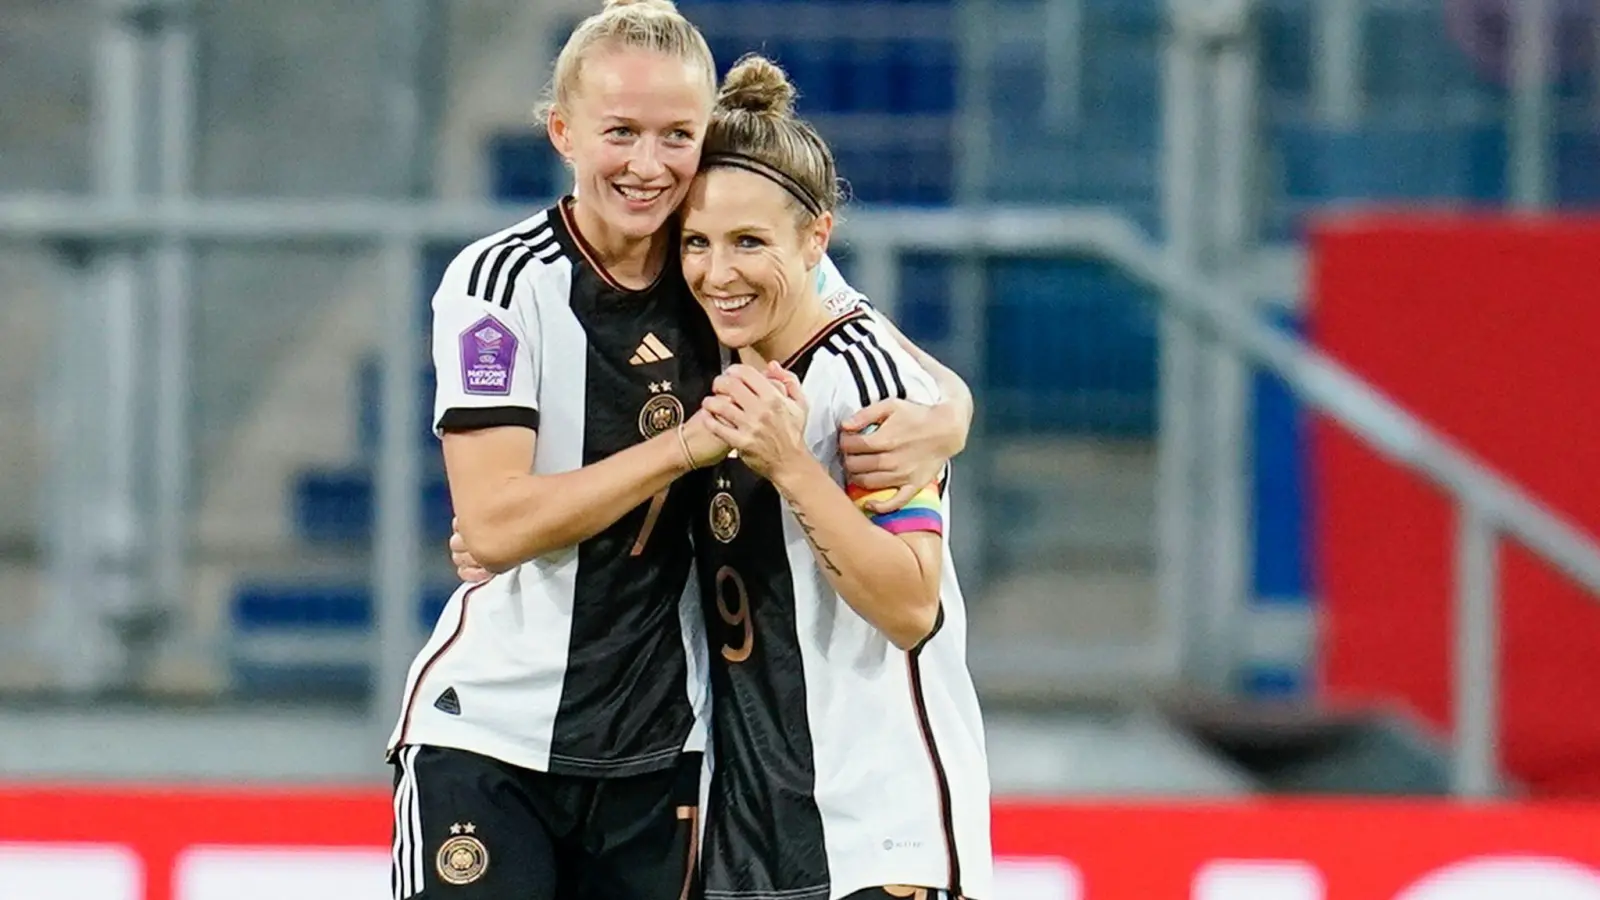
(1278, 313)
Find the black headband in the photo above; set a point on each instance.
(778, 176)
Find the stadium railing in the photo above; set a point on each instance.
(1489, 507)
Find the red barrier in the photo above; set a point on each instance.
(118, 844)
(1490, 330)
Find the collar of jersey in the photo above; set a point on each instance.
(816, 340)
(593, 258)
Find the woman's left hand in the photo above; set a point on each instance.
(761, 415)
(467, 567)
(898, 445)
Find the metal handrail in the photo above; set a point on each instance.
(1490, 504)
(1365, 411)
(68, 217)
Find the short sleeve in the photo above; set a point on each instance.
(867, 366)
(485, 357)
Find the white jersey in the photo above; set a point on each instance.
(590, 660)
(842, 762)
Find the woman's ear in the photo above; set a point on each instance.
(560, 133)
(817, 237)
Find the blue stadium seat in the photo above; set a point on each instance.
(264, 606)
(903, 76)
(864, 79)
(1577, 171)
(336, 506)
(1280, 483)
(855, 87)
(1018, 91)
(923, 312)
(1122, 83)
(1393, 163)
(725, 51)
(1107, 155)
(523, 167)
(256, 679)
(1084, 167)
(880, 170)
(898, 175)
(325, 622)
(1416, 52)
(1286, 50)
(923, 77)
(1071, 349)
(812, 69)
(1126, 16)
(369, 392)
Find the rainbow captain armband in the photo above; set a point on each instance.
(925, 512)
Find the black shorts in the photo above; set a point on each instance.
(468, 827)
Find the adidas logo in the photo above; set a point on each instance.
(448, 703)
(650, 350)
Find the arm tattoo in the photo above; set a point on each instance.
(811, 535)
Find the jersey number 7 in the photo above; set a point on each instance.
(651, 516)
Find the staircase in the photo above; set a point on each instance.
(1060, 384)
(1069, 388)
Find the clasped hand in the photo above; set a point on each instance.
(761, 415)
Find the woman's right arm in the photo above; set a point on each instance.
(487, 365)
(506, 515)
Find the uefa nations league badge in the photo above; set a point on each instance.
(488, 352)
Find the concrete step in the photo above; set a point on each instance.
(26, 323)
(1062, 753)
(1076, 607)
(1100, 752)
(1085, 499)
(21, 598)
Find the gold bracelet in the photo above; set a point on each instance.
(683, 444)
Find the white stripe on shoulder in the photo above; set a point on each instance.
(847, 349)
(489, 268)
(867, 338)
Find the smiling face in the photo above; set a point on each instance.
(632, 132)
(747, 255)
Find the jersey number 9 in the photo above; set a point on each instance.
(730, 584)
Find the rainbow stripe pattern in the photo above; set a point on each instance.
(925, 512)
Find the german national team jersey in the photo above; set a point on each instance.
(841, 761)
(589, 660)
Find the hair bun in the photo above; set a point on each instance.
(758, 85)
(659, 5)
